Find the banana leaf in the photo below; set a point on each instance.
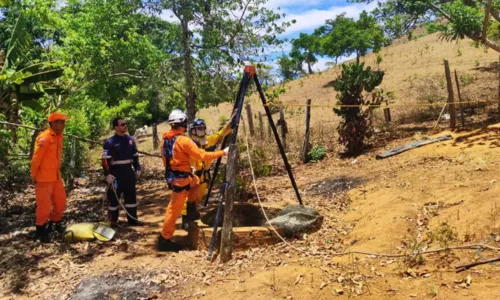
(20, 43)
(44, 76)
(31, 101)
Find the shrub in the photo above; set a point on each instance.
(316, 154)
(350, 85)
(432, 28)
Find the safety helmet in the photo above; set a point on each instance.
(198, 128)
(198, 123)
(177, 116)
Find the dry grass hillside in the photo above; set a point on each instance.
(414, 73)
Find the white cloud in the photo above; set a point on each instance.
(312, 19)
(168, 15)
(287, 3)
(327, 62)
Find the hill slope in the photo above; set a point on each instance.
(414, 73)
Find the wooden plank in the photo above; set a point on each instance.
(229, 194)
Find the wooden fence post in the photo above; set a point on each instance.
(261, 127)
(250, 119)
(387, 115)
(451, 97)
(305, 148)
(462, 117)
(284, 128)
(72, 162)
(226, 248)
(33, 141)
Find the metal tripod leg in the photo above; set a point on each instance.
(239, 108)
(277, 138)
(224, 145)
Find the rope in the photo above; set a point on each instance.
(123, 206)
(379, 105)
(461, 247)
(254, 182)
(73, 136)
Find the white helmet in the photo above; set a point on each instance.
(177, 116)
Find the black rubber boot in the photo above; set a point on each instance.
(192, 214)
(132, 218)
(134, 223)
(185, 222)
(192, 211)
(43, 233)
(58, 227)
(113, 216)
(167, 245)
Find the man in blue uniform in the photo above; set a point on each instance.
(120, 161)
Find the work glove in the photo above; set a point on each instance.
(137, 174)
(110, 179)
(226, 151)
(33, 180)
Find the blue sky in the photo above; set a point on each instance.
(310, 14)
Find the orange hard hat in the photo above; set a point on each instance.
(57, 116)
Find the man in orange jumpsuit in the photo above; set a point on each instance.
(46, 175)
(177, 150)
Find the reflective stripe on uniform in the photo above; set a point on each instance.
(137, 154)
(106, 157)
(112, 208)
(131, 205)
(122, 162)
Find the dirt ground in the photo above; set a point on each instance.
(438, 196)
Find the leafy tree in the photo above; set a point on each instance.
(465, 18)
(22, 80)
(305, 48)
(350, 85)
(216, 37)
(290, 68)
(344, 36)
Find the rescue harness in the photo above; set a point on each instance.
(171, 175)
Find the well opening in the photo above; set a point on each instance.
(245, 215)
(250, 227)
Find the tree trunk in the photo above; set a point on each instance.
(188, 69)
(309, 69)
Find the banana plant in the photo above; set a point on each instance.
(21, 80)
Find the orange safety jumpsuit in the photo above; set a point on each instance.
(49, 187)
(184, 148)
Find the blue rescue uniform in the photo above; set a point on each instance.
(120, 159)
